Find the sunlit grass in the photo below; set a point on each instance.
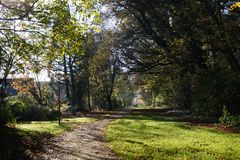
(52, 127)
(142, 137)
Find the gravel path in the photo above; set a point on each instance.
(85, 142)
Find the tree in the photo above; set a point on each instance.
(180, 41)
(123, 91)
(104, 69)
(68, 38)
(15, 51)
(39, 33)
(40, 91)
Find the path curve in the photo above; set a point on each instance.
(86, 142)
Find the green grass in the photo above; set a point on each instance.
(31, 136)
(144, 107)
(52, 127)
(142, 137)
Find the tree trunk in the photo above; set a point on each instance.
(73, 88)
(59, 104)
(109, 100)
(153, 99)
(88, 94)
(88, 78)
(66, 78)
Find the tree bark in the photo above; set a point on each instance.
(109, 100)
(66, 78)
(73, 88)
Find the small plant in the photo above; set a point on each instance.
(228, 119)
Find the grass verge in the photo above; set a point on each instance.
(27, 138)
(52, 127)
(146, 137)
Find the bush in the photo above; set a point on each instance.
(206, 99)
(53, 115)
(39, 113)
(34, 113)
(117, 104)
(6, 115)
(17, 105)
(228, 119)
(24, 108)
(215, 90)
(177, 92)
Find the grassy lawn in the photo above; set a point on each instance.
(144, 137)
(52, 127)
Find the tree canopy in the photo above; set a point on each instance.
(179, 54)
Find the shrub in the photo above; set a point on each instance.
(17, 105)
(6, 115)
(39, 113)
(53, 115)
(215, 90)
(228, 119)
(177, 92)
(24, 108)
(34, 113)
(117, 104)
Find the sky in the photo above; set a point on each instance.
(42, 76)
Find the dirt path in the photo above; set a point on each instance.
(85, 142)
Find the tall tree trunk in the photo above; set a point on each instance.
(59, 103)
(73, 87)
(153, 99)
(88, 94)
(109, 100)
(87, 57)
(66, 79)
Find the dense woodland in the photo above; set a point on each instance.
(99, 54)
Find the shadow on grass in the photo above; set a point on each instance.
(18, 144)
(152, 131)
(162, 118)
(179, 122)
